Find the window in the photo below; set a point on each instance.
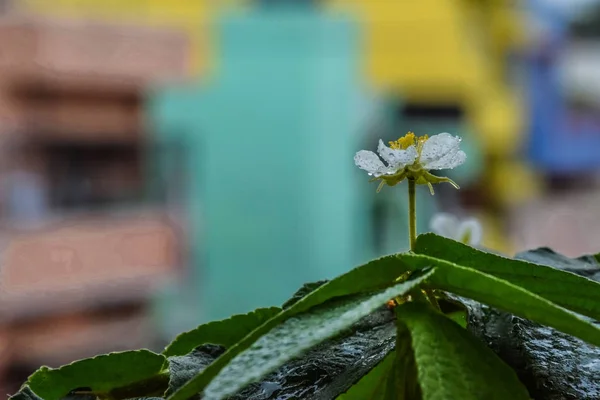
(93, 175)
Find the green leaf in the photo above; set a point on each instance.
(374, 384)
(302, 292)
(571, 291)
(504, 295)
(453, 309)
(296, 335)
(102, 374)
(452, 364)
(226, 332)
(460, 317)
(184, 368)
(283, 337)
(404, 383)
(377, 274)
(395, 378)
(25, 394)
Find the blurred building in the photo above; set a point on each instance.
(84, 243)
(563, 61)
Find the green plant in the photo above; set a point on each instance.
(435, 357)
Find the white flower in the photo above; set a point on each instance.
(468, 231)
(442, 152)
(411, 157)
(396, 159)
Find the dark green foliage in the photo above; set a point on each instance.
(435, 357)
(225, 333)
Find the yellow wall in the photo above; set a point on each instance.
(445, 50)
(417, 47)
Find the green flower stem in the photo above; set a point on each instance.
(412, 213)
(417, 294)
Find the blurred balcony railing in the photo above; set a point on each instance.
(79, 50)
(83, 261)
(59, 340)
(76, 118)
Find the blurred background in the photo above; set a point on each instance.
(166, 163)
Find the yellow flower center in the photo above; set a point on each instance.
(404, 142)
(410, 139)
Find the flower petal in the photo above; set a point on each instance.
(470, 232)
(397, 158)
(370, 162)
(444, 224)
(442, 152)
